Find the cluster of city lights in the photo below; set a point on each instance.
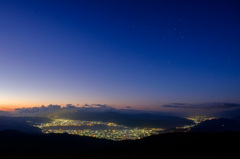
(111, 131)
(197, 120)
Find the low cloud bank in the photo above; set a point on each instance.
(62, 109)
(203, 106)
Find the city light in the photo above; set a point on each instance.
(111, 131)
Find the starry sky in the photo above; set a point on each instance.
(134, 53)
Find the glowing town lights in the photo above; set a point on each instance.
(111, 131)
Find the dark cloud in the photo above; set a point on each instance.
(128, 107)
(69, 106)
(42, 109)
(203, 106)
(99, 106)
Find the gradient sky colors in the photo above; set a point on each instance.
(142, 54)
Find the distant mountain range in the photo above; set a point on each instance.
(130, 119)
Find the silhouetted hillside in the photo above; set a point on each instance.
(4, 113)
(217, 125)
(164, 146)
(15, 144)
(231, 113)
(21, 124)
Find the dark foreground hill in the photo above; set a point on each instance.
(15, 144)
(22, 124)
(218, 125)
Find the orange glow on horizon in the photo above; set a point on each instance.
(13, 106)
(7, 109)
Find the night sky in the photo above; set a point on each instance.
(140, 54)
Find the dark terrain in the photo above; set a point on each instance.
(15, 144)
(218, 125)
(22, 124)
(218, 138)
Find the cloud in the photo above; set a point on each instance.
(98, 107)
(101, 105)
(70, 109)
(57, 109)
(203, 106)
(128, 107)
(42, 109)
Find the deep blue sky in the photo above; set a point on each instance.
(126, 53)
